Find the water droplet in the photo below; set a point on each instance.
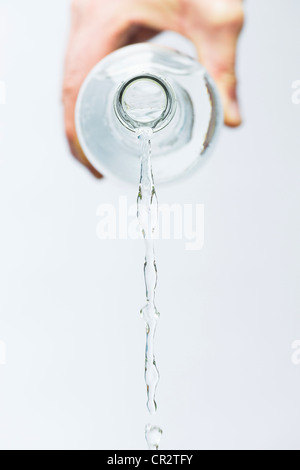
(153, 436)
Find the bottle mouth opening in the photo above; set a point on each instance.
(145, 101)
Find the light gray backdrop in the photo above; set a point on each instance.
(69, 303)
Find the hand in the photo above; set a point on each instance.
(98, 27)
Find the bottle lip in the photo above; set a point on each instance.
(156, 124)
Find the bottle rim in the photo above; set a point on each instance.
(156, 124)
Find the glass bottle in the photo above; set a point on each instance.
(147, 85)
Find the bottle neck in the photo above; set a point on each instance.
(145, 101)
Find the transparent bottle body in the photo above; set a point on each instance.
(148, 85)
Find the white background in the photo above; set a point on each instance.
(69, 303)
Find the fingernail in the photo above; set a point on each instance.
(234, 114)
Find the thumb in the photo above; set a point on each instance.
(217, 52)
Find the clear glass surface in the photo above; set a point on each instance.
(147, 85)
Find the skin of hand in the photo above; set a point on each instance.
(98, 27)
